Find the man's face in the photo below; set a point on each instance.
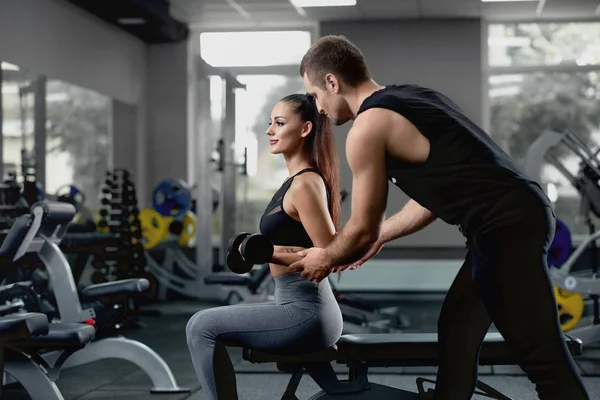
(328, 100)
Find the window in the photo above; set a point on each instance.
(14, 129)
(78, 145)
(266, 172)
(535, 44)
(18, 119)
(254, 49)
(523, 106)
(542, 76)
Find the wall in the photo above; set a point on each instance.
(124, 125)
(59, 40)
(167, 108)
(444, 55)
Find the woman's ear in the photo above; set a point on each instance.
(306, 129)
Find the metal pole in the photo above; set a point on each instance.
(200, 138)
(1, 127)
(40, 130)
(228, 187)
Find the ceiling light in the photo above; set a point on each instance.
(131, 21)
(323, 3)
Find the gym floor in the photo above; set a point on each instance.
(115, 379)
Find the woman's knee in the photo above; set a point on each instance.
(201, 324)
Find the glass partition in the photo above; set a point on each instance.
(266, 172)
(78, 145)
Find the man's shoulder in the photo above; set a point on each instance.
(377, 118)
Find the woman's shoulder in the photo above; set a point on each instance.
(310, 181)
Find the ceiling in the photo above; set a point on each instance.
(228, 14)
(150, 20)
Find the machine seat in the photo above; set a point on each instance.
(116, 287)
(396, 349)
(228, 279)
(260, 357)
(61, 335)
(421, 349)
(22, 326)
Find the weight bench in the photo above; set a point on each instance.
(41, 232)
(361, 351)
(23, 335)
(253, 281)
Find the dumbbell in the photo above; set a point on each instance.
(255, 249)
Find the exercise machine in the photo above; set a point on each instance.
(362, 351)
(587, 184)
(41, 232)
(23, 335)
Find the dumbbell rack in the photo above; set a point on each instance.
(119, 216)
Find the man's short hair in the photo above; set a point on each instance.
(334, 55)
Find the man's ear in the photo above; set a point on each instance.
(332, 83)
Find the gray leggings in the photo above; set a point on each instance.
(304, 317)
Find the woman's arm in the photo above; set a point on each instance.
(309, 201)
(286, 255)
(309, 198)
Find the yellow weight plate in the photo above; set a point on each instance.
(570, 308)
(154, 228)
(167, 221)
(188, 233)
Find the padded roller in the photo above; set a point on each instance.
(31, 324)
(56, 212)
(64, 334)
(116, 287)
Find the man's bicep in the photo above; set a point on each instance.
(366, 158)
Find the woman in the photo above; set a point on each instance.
(303, 213)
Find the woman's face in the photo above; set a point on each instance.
(286, 129)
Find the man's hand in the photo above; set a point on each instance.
(373, 251)
(312, 265)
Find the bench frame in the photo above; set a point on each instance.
(319, 367)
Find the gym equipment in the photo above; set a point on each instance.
(172, 198)
(562, 245)
(587, 184)
(22, 294)
(255, 249)
(70, 194)
(570, 308)
(359, 352)
(21, 335)
(235, 262)
(41, 232)
(174, 271)
(154, 227)
(188, 230)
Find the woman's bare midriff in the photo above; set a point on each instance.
(280, 270)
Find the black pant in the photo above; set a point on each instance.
(505, 280)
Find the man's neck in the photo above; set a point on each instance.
(356, 96)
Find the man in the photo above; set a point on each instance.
(450, 169)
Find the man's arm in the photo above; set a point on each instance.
(365, 152)
(410, 219)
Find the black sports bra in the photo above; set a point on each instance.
(278, 226)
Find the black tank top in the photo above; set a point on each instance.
(467, 180)
(278, 226)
